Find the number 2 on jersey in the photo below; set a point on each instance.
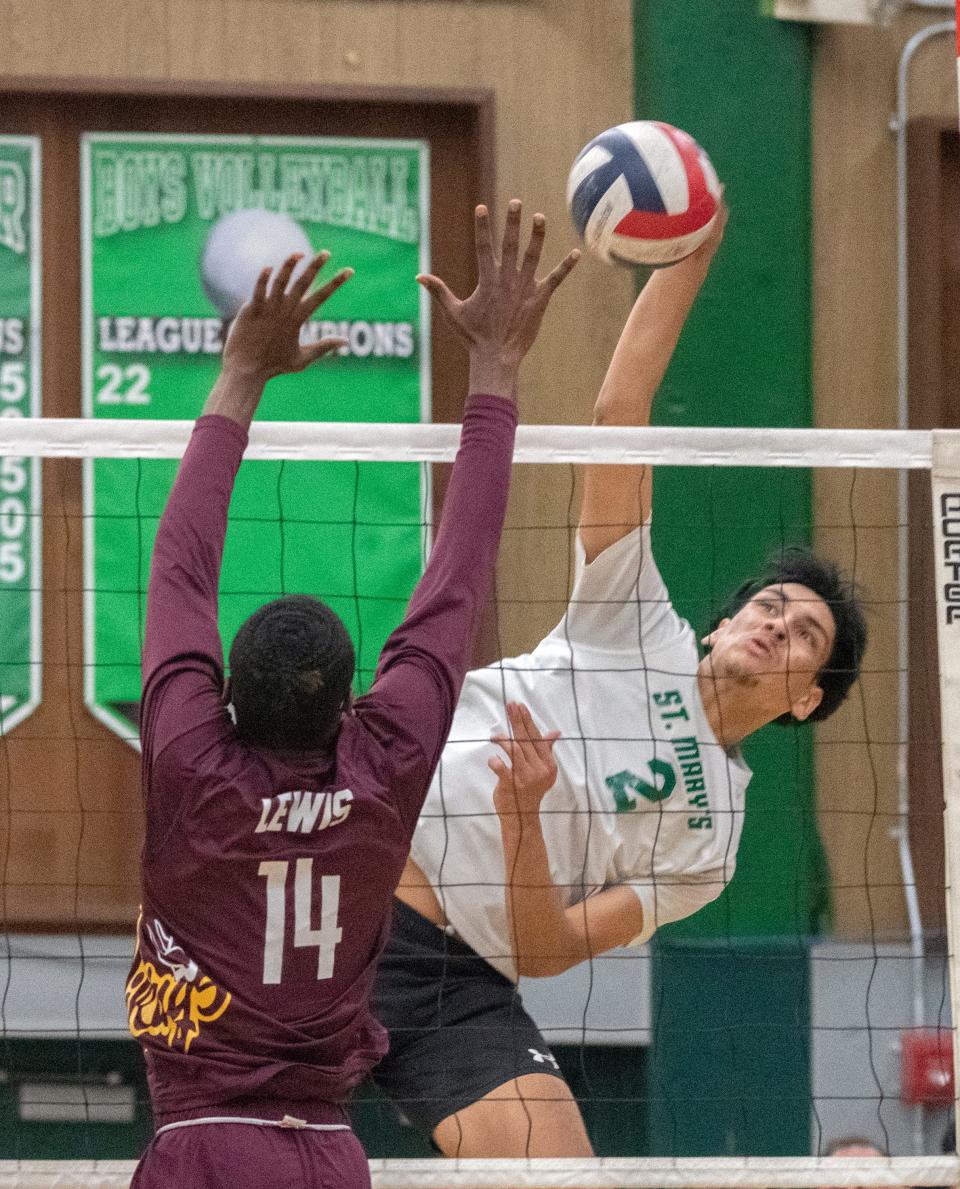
(325, 938)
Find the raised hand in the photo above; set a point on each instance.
(264, 339)
(500, 319)
(525, 781)
(707, 250)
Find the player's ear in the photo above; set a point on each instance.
(808, 701)
(709, 640)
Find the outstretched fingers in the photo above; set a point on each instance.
(300, 287)
(526, 731)
(553, 280)
(531, 259)
(278, 289)
(326, 346)
(440, 293)
(511, 235)
(259, 296)
(483, 236)
(316, 299)
(529, 750)
(500, 768)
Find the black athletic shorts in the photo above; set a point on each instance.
(457, 1026)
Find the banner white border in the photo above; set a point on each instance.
(35, 688)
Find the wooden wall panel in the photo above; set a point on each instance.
(69, 804)
(855, 337)
(561, 71)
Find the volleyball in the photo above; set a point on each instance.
(239, 246)
(643, 193)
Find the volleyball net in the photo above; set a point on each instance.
(813, 1000)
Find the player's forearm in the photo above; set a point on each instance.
(491, 373)
(647, 343)
(236, 395)
(543, 940)
(439, 629)
(460, 570)
(187, 552)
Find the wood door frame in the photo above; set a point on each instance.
(931, 143)
(71, 786)
(481, 100)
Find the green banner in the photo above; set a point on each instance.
(20, 547)
(175, 230)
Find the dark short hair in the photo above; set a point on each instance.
(851, 1141)
(842, 667)
(291, 669)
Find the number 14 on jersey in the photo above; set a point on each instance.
(326, 938)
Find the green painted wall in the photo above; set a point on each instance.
(740, 83)
(729, 1065)
(729, 1070)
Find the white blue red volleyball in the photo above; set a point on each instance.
(643, 193)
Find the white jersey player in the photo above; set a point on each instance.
(645, 800)
(625, 816)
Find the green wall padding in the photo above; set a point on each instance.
(740, 83)
(729, 1067)
(729, 1072)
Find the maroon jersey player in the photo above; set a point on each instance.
(274, 843)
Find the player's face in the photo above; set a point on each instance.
(777, 643)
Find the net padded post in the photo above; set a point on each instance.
(945, 487)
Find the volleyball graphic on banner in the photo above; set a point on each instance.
(643, 193)
(239, 246)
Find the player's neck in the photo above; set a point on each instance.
(734, 710)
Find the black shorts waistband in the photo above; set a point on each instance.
(413, 928)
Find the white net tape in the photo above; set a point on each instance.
(650, 1173)
(350, 441)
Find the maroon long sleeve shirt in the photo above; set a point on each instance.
(267, 878)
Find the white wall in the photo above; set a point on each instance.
(861, 1003)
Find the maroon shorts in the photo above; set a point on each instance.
(252, 1156)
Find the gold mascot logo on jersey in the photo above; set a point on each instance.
(175, 1003)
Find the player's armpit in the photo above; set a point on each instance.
(597, 924)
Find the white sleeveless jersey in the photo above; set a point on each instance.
(645, 795)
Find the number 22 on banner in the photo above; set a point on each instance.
(123, 385)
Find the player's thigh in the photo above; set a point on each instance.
(532, 1115)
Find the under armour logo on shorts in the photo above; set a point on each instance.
(543, 1058)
